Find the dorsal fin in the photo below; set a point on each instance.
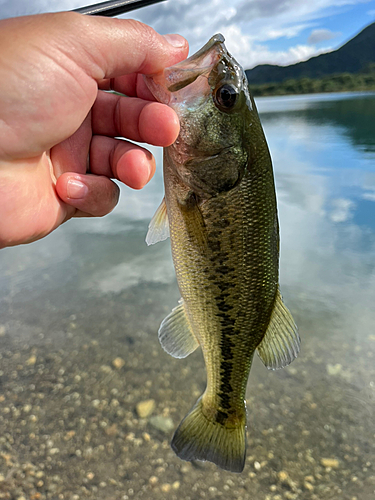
(175, 333)
(281, 343)
(158, 229)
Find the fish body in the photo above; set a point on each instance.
(221, 213)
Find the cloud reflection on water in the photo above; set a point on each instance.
(325, 181)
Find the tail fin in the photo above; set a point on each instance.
(198, 438)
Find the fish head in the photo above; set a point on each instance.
(219, 123)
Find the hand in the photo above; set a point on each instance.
(55, 125)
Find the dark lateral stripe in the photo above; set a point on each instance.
(227, 346)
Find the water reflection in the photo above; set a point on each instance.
(93, 293)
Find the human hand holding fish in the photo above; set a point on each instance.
(58, 146)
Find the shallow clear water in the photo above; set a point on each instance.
(79, 313)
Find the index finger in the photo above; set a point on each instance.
(131, 85)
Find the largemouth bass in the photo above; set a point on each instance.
(220, 210)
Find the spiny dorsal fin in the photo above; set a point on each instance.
(158, 229)
(281, 343)
(176, 335)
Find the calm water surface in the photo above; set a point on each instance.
(79, 313)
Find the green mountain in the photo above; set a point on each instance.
(352, 57)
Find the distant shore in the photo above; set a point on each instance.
(345, 82)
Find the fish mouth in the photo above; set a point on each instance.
(169, 86)
(186, 72)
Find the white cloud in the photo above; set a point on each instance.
(287, 32)
(247, 24)
(321, 35)
(342, 210)
(249, 53)
(369, 196)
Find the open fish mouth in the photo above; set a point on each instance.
(170, 85)
(186, 72)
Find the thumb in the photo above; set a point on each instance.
(126, 46)
(105, 47)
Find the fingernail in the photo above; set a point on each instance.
(176, 41)
(76, 189)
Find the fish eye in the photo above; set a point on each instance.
(226, 96)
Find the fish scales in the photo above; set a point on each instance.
(223, 290)
(220, 210)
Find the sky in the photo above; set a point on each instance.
(256, 31)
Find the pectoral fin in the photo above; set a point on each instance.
(281, 343)
(158, 229)
(176, 335)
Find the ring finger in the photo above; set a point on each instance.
(122, 160)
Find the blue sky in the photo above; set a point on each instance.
(256, 31)
(341, 21)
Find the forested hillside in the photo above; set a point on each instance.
(353, 57)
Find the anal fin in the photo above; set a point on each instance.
(281, 343)
(175, 333)
(158, 229)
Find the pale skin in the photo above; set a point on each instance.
(58, 151)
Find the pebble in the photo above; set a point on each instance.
(165, 488)
(176, 485)
(333, 463)
(164, 424)
(283, 476)
(118, 363)
(289, 495)
(112, 430)
(153, 480)
(334, 369)
(145, 408)
(69, 435)
(31, 361)
(146, 436)
(308, 486)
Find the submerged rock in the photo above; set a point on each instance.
(164, 424)
(145, 408)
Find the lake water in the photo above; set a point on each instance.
(79, 313)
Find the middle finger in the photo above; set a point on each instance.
(135, 119)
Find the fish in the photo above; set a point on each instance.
(220, 212)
